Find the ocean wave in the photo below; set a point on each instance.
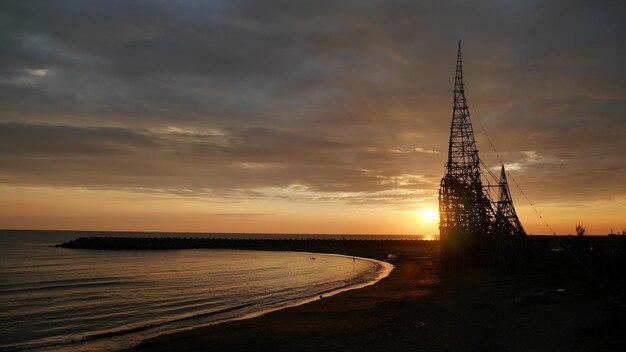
(66, 286)
(123, 331)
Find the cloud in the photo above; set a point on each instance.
(414, 150)
(231, 163)
(59, 141)
(229, 98)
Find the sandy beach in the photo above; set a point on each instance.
(417, 308)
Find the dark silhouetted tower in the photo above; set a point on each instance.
(506, 220)
(474, 229)
(464, 209)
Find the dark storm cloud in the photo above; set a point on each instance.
(225, 97)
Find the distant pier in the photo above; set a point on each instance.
(374, 248)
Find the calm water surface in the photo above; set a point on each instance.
(91, 300)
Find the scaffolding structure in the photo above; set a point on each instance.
(474, 229)
(506, 219)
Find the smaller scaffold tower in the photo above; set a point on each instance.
(506, 220)
(506, 248)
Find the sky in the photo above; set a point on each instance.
(304, 116)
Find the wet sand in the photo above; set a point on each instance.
(417, 308)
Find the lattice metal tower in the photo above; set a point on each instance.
(506, 220)
(464, 209)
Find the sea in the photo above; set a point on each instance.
(60, 299)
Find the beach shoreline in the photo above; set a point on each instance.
(418, 308)
(383, 272)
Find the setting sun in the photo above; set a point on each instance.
(429, 215)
